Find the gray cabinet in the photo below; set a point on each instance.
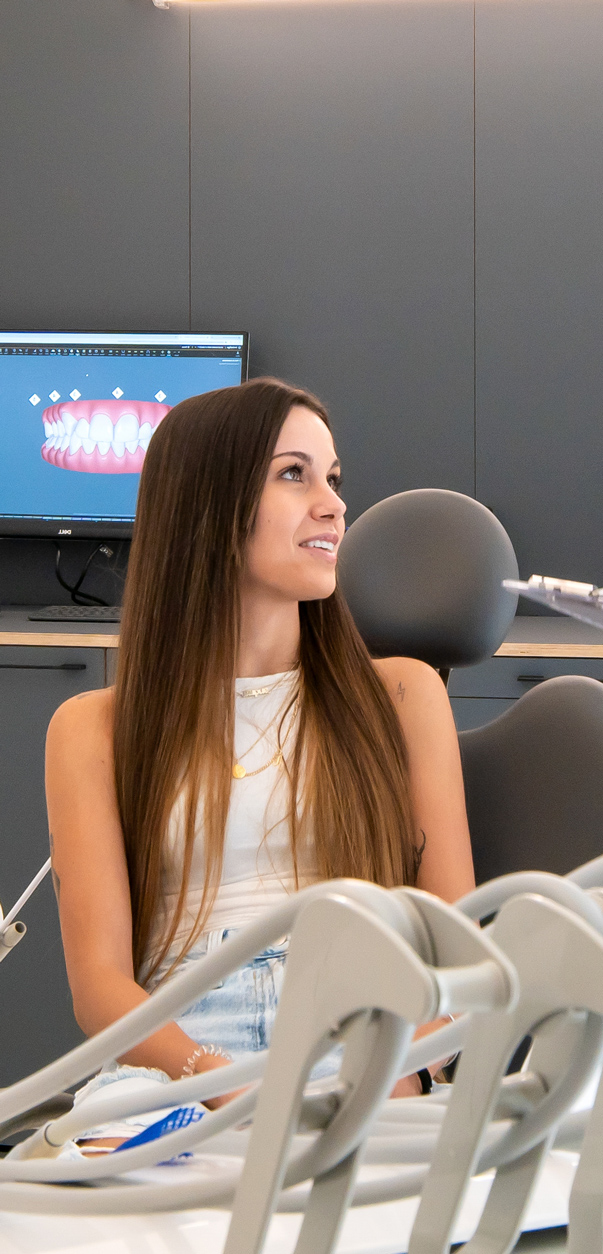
(479, 694)
(36, 1024)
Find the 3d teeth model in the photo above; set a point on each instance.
(102, 437)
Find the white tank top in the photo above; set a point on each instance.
(257, 868)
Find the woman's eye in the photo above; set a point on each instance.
(295, 472)
(335, 482)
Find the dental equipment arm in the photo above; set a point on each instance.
(12, 930)
(28, 892)
(378, 915)
(11, 937)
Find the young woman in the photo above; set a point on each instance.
(250, 744)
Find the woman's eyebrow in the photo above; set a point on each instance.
(304, 457)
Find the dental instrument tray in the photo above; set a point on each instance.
(580, 600)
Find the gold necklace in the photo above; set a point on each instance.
(263, 692)
(240, 772)
(265, 730)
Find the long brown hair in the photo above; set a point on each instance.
(199, 492)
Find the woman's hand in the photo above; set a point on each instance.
(410, 1085)
(209, 1062)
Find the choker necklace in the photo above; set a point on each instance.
(258, 692)
(263, 692)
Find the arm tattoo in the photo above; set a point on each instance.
(400, 692)
(417, 853)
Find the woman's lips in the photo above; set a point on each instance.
(328, 555)
(101, 437)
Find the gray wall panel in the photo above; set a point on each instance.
(539, 121)
(332, 218)
(94, 165)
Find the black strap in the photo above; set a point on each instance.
(426, 1081)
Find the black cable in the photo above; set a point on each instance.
(74, 589)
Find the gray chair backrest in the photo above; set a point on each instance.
(422, 573)
(534, 781)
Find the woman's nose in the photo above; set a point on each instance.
(330, 508)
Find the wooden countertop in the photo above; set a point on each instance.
(558, 636)
(15, 628)
(528, 636)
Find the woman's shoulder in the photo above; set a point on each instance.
(408, 673)
(86, 719)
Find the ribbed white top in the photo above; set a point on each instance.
(257, 868)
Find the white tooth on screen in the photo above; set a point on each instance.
(103, 446)
(118, 448)
(83, 429)
(89, 445)
(50, 442)
(101, 429)
(75, 443)
(126, 429)
(131, 445)
(69, 422)
(60, 427)
(55, 429)
(64, 443)
(144, 435)
(48, 428)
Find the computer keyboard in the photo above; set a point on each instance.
(76, 614)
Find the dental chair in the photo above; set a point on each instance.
(534, 780)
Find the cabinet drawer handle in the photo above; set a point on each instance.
(40, 666)
(530, 679)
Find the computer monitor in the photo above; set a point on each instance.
(77, 412)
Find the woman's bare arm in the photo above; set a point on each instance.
(436, 778)
(91, 880)
(437, 792)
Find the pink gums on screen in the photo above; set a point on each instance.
(103, 437)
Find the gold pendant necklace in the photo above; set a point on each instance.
(241, 772)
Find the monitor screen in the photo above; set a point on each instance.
(77, 411)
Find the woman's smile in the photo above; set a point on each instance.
(323, 546)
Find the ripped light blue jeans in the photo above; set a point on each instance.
(237, 1015)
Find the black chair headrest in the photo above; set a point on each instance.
(422, 572)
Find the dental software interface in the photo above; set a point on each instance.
(77, 412)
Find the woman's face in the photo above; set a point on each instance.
(292, 552)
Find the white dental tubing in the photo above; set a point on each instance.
(207, 1084)
(31, 888)
(9, 937)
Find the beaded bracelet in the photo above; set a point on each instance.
(212, 1051)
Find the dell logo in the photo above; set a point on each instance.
(64, 531)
